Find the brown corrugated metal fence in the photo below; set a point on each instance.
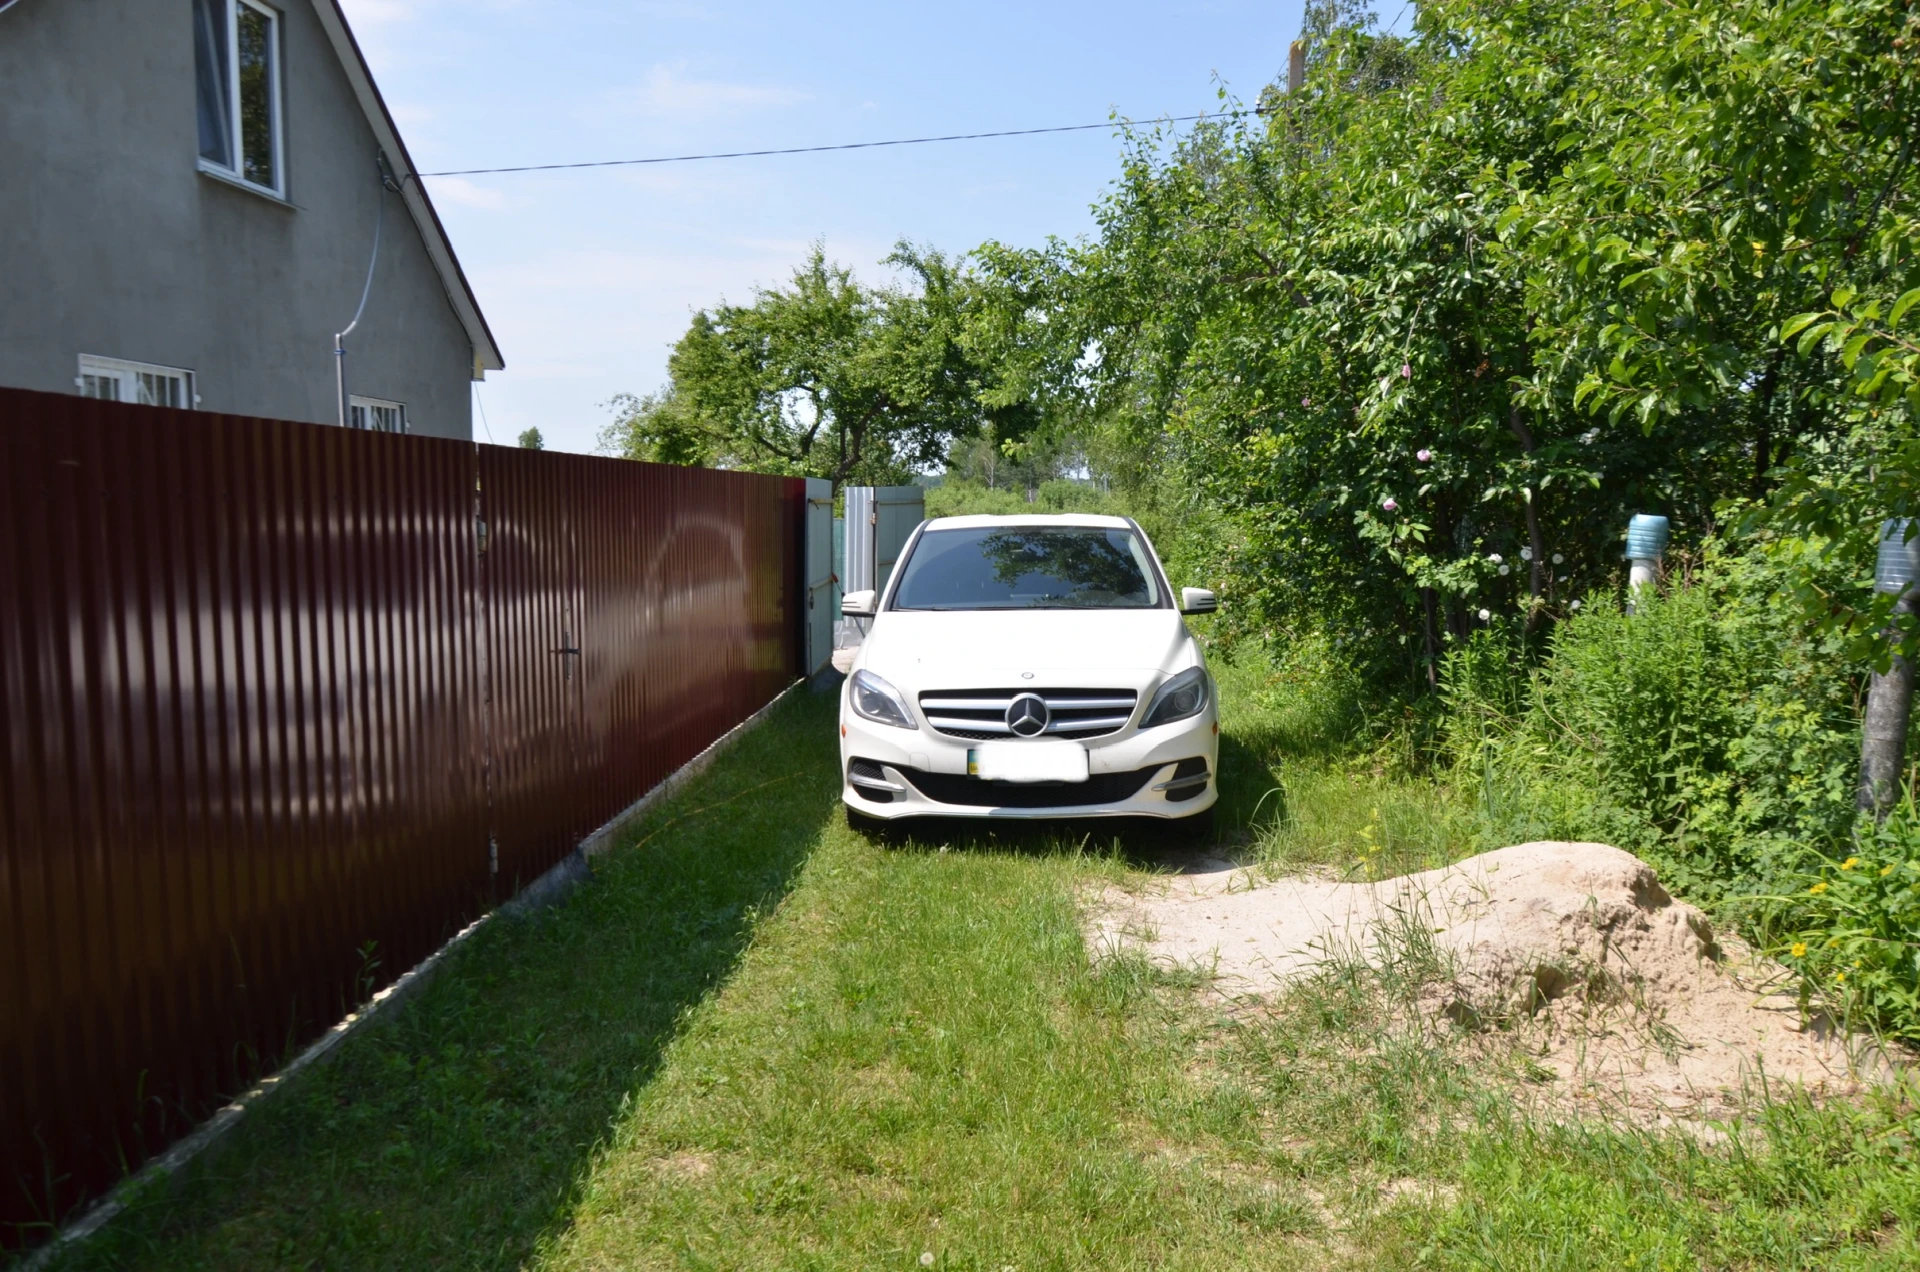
(283, 703)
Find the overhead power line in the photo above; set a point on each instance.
(814, 150)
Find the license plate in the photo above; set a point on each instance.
(1028, 762)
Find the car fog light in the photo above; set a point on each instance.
(876, 700)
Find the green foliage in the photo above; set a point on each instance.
(1055, 495)
(1852, 929)
(1497, 286)
(833, 378)
(1704, 730)
(659, 428)
(1710, 734)
(531, 440)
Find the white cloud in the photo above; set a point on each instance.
(669, 90)
(464, 192)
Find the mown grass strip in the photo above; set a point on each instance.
(455, 1134)
(762, 1041)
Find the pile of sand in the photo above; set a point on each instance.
(1606, 981)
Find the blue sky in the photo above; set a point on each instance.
(588, 277)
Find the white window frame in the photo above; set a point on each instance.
(125, 376)
(236, 173)
(360, 413)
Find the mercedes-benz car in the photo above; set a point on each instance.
(1028, 667)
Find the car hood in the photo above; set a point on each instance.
(1061, 648)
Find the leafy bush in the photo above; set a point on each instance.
(966, 498)
(1706, 729)
(1854, 927)
(1710, 734)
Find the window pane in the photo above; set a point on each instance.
(106, 387)
(257, 92)
(161, 389)
(211, 87)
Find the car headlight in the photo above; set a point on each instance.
(1180, 698)
(876, 700)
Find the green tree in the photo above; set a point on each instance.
(659, 427)
(531, 440)
(826, 376)
(1430, 330)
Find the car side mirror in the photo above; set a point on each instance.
(1198, 600)
(858, 604)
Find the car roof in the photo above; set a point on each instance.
(1031, 519)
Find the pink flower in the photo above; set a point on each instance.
(1388, 505)
(1306, 401)
(1423, 454)
(1406, 370)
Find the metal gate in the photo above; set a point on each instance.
(880, 519)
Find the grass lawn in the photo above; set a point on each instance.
(759, 1040)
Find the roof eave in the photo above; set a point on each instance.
(412, 193)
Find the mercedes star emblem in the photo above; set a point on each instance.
(1027, 715)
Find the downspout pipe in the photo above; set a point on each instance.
(340, 337)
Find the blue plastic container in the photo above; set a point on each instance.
(1647, 537)
(1899, 562)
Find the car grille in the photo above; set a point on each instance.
(981, 714)
(972, 792)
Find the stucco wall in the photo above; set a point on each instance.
(113, 243)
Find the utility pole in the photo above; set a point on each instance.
(1296, 66)
(1883, 733)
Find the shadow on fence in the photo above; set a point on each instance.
(279, 699)
(458, 1133)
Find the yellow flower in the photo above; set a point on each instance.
(1885, 871)
(1818, 888)
(1841, 978)
(1850, 863)
(1799, 949)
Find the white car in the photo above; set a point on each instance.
(1028, 667)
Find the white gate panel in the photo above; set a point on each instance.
(898, 512)
(857, 576)
(879, 521)
(822, 603)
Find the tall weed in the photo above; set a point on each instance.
(1709, 733)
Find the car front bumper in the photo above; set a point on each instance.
(1134, 773)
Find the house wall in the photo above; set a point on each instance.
(116, 245)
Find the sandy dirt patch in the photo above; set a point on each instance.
(1613, 989)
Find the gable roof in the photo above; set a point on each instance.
(486, 354)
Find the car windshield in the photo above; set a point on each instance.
(1028, 567)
